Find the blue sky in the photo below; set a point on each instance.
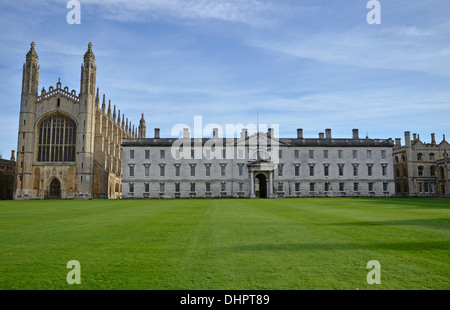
(310, 64)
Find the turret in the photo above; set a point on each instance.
(86, 125)
(97, 99)
(30, 80)
(26, 135)
(88, 73)
(142, 128)
(408, 153)
(103, 104)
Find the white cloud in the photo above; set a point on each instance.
(251, 12)
(411, 31)
(396, 48)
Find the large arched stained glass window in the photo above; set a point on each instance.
(57, 139)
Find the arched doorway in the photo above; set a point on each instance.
(55, 189)
(262, 185)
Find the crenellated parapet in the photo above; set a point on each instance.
(72, 95)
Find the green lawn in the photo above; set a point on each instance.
(279, 244)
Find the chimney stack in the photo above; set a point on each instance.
(355, 134)
(13, 155)
(215, 133)
(270, 133)
(408, 139)
(398, 142)
(433, 139)
(299, 133)
(321, 135)
(328, 133)
(244, 133)
(414, 136)
(157, 131)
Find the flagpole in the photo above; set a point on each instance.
(257, 135)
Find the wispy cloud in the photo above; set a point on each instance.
(409, 31)
(313, 64)
(397, 48)
(251, 12)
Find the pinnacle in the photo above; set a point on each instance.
(32, 51)
(89, 54)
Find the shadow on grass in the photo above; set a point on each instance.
(297, 247)
(431, 223)
(404, 202)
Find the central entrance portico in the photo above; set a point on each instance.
(261, 182)
(263, 171)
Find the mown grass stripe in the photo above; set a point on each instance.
(226, 244)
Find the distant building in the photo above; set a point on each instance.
(421, 169)
(7, 176)
(443, 175)
(300, 167)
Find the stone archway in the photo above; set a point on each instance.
(262, 185)
(54, 190)
(261, 171)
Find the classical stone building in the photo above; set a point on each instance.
(215, 167)
(7, 177)
(443, 175)
(68, 146)
(421, 169)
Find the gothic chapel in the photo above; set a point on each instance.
(68, 146)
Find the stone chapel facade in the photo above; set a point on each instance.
(68, 146)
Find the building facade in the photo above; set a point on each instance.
(7, 177)
(216, 167)
(68, 146)
(421, 169)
